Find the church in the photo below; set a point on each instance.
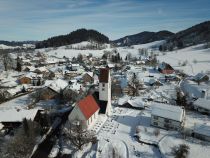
(88, 109)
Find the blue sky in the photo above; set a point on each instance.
(41, 19)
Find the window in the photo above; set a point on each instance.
(155, 117)
(155, 123)
(166, 126)
(166, 120)
(103, 89)
(103, 84)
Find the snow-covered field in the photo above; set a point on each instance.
(73, 52)
(197, 59)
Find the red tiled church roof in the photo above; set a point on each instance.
(88, 106)
(104, 75)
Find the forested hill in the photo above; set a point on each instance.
(196, 34)
(73, 37)
(143, 37)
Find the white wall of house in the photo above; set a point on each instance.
(76, 114)
(166, 123)
(92, 120)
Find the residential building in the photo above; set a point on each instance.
(167, 116)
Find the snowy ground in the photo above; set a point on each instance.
(63, 51)
(198, 59)
(197, 148)
(121, 127)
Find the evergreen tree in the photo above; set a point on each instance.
(19, 65)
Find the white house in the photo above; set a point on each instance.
(86, 111)
(193, 90)
(167, 116)
(202, 105)
(202, 132)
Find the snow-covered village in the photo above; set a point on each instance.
(85, 95)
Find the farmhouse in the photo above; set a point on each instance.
(165, 68)
(202, 132)
(202, 105)
(167, 116)
(193, 90)
(201, 77)
(87, 77)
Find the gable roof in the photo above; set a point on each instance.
(203, 103)
(58, 85)
(88, 106)
(104, 75)
(168, 111)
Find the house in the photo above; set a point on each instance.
(202, 105)
(165, 68)
(154, 82)
(202, 132)
(195, 91)
(25, 80)
(52, 90)
(86, 111)
(167, 116)
(87, 77)
(29, 68)
(13, 117)
(201, 77)
(40, 70)
(32, 78)
(75, 67)
(135, 103)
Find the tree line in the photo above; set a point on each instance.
(74, 37)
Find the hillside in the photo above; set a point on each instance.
(143, 37)
(16, 43)
(73, 37)
(196, 34)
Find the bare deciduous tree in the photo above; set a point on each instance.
(156, 132)
(78, 135)
(6, 59)
(22, 144)
(180, 151)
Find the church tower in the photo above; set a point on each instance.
(105, 89)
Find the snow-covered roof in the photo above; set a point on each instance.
(89, 73)
(31, 75)
(42, 69)
(75, 86)
(203, 130)
(9, 84)
(31, 68)
(203, 103)
(168, 111)
(75, 65)
(58, 84)
(199, 76)
(17, 115)
(136, 103)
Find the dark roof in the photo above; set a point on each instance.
(104, 75)
(88, 106)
